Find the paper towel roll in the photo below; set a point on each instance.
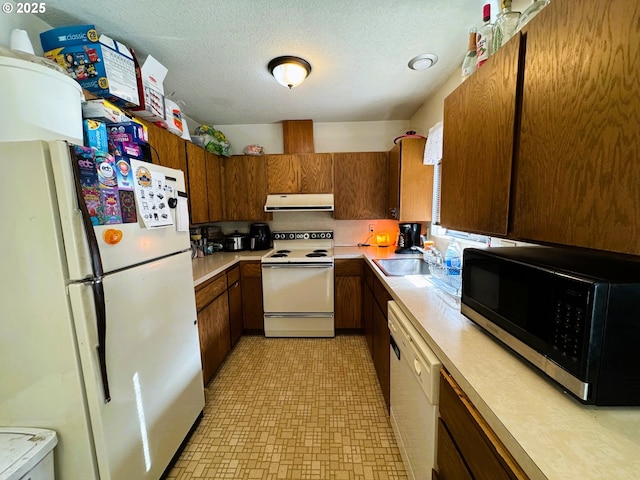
(20, 41)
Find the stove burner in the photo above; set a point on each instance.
(316, 254)
(283, 251)
(321, 250)
(279, 255)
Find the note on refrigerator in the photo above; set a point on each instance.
(182, 213)
(151, 196)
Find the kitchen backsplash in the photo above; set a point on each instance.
(346, 232)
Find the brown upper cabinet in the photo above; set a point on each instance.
(204, 172)
(359, 185)
(573, 177)
(302, 173)
(245, 182)
(167, 149)
(478, 141)
(578, 168)
(410, 182)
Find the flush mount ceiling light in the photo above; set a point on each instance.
(289, 71)
(422, 62)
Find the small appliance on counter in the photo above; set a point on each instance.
(572, 314)
(409, 236)
(260, 237)
(236, 242)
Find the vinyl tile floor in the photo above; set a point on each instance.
(293, 408)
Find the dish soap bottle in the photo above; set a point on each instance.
(453, 258)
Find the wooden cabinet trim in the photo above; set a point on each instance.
(481, 448)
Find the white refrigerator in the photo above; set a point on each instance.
(97, 343)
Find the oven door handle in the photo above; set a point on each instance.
(299, 265)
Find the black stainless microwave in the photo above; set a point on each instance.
(573, 315)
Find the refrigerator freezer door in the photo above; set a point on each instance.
(41, 382)
(153, 364)
(138, 244)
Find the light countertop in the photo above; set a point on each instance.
(549, 433)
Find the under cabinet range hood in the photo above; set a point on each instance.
(300, 202)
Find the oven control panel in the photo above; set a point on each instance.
(325, 235)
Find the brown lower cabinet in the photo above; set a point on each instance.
(348, 294)
(252, 309)
(467, 446)
(213, 324)
(234, 290)
(376, 329)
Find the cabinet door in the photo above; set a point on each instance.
(235, 304)
(167, 149)
(252, 309)
(213, 166)
(393, 192)
(301, 173)
(367, 308)
(283, 174)
(484, 454)
(450, 463)
(578, 171)
(316, 172)
(197, 178)
(348, 294)
(215, 343)
(479, 119)
(381, 345)
(416, 182)
(245, 180)
(360, 185)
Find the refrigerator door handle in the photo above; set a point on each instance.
(96, 281)
(94, 250)
(101, 324)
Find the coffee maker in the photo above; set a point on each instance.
(409, 236)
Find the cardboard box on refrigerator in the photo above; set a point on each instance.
(103, 110)
(152, 106)
(101, 65)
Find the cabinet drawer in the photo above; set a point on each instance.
(208, 292)
(251, 269)
(348, 268)
(233, 275)
(482, 450)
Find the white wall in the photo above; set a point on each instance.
(327, 137)
(32, 24)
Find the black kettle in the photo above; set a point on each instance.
(260, 236)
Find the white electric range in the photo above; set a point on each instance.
(297, 285)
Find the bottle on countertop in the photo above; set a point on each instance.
(469, 62)
(505, 25)
(453, 258)
(531, 11)
(484, 37)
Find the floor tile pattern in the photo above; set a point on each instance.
(294, 408)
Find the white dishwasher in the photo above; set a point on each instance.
(415, 371)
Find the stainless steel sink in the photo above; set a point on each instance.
(401, 267)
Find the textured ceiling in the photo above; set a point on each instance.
(217, 52)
